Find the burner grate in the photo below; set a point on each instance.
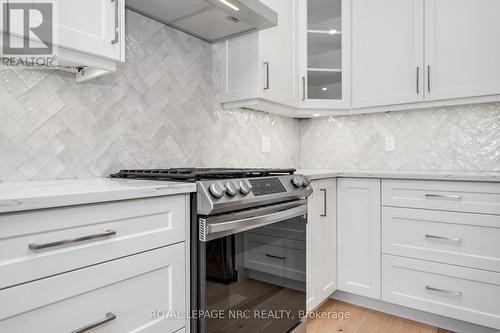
(194, 174)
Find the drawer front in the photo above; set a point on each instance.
(94, 234)
(464, 239)
(473, 197)
(462, 293)
(134, 289)
(276, 256)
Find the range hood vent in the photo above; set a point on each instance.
(210, 20)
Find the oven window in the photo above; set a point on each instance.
(256, 279)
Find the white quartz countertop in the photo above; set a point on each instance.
(404, 174)
(28, 195)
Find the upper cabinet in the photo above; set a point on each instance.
(462, 49)
(325, 53)
(262, 67)
(388, 52)
(338, 57)
(88, 36)
(92, 26)
(440, 52)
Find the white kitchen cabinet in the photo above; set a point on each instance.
(88, 35)
(263, 65)
(462, 293)
(388, 55)
(470, 197)
(132, 293)
(359, 236)
(462, 50)
(321, 242)
(92, 26)
(93, 234)
(325, 39)
(106, 252)
(413, 51)
(463, 239)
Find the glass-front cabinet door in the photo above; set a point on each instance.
(325, 53)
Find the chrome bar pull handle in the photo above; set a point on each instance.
(109, 317)
(444, 291)
(324, 203)
(117, 23)
(452, 239)
(38, 247)
(418, 80)
(267, 75)
(303, 88)
(443, 196)
(429, 78)
(275, 257)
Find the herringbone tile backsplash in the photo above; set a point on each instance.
(452, 139)
(160, 109)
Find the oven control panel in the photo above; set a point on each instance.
(217, 196)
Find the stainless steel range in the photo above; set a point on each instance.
(248, 239)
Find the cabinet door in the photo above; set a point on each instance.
(91, 26)
(325, 41)
(321, 243)
(135, 289)
(462, 48)
(359, 236)
(387, 52)
(278, 54)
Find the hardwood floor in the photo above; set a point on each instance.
(364, 320)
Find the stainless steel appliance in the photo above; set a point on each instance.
(248, 238)
(210, 20)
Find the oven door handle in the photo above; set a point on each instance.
(210, 231)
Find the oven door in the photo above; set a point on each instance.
(252, 269)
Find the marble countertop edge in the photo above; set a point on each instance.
(316, 174)
(30, 195)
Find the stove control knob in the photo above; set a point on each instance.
(306, 180)
(297, 181)
(217, 190)
(231, 189)
(245, 187)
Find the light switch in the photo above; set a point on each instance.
(390, 144)
(266, 144)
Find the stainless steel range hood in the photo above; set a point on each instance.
(210, 20)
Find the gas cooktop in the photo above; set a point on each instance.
(195, 174)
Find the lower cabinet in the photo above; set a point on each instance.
(109, 267)
(359, 236)
(132, 294)
(321, 243)
(457, 292)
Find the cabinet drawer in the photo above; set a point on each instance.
(131, 289)
(473, 197)
(276, 256)
(462, 293)
(95, 233)
(463, 239)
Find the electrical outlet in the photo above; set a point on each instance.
(390, 144)
(266, 144)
